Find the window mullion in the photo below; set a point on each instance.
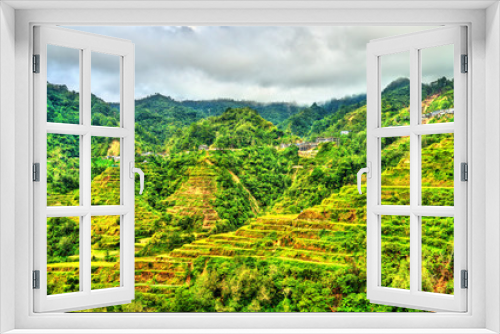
(402, 210)
(102, 131)
(415, 186)
(80, 130)
(80, 211)
(85, 185)
(396, 131)
(86, 137)
(432, 129)
(373, 261)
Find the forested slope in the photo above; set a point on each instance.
(254, 227)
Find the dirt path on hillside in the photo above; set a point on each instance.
(238, 181)
(254, 201)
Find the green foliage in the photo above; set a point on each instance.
(318, 178)
(253, 228)
(63, 236)
(63, 166)
(103, 114)
(63, 106)
(301, 122)
(395, 103)
(396, 100)
(63, 250)
(444, 89)
(158, 118)
(235, 128)
(232, 202)
(274, 112)
(168, 239)
(264, 171)
(312, 121)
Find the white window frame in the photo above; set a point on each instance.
(86, 44)
(413, 44)
(483, 50)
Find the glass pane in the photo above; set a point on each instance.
(105, 171)
(395, 80)
(438, 169)
(437, 254)
(63, 85)
(63, 170)
(395, 167)
(437, 84)
(63, 255)
(105, 88)
(395, 234)
(105, 253)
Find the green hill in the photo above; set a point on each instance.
(253, 227)
(309, 122)
(351, 117)
(300, 123)
(235, 128)
(274, 112)
(158, 118)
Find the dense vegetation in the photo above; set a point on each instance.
(235, 128)
(244, 224)
(275, 112)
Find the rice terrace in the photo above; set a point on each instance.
(250, 206)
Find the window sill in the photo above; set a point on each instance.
(250, 331)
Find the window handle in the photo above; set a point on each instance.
(134, 170)
(368, 171)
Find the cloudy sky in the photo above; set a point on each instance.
(293, 64)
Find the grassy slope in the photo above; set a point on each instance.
(309, 261)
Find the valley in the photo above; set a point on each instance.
(253, 227)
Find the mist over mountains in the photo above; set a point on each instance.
(163, 124)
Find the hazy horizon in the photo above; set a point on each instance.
(299, 65)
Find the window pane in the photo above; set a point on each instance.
(438, 169)
(395, 234)
(437, 84)
(63, 170)
(105, 252)
(63, 255)
(395, 80)
(63, 85)
(105, 171)
(395, 167)
(437, 254)
(105, 82)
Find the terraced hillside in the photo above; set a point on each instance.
(317, 247)
(196, 195)
(437, 170)
(323, 245)
(321, 248)
(63, 238)
(313, 261)
(191, 213)
(259, 229)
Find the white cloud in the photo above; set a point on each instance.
(302, 64)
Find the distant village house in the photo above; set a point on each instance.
(115, 158)
(306, 146)
(325, 140)
(439, 113)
